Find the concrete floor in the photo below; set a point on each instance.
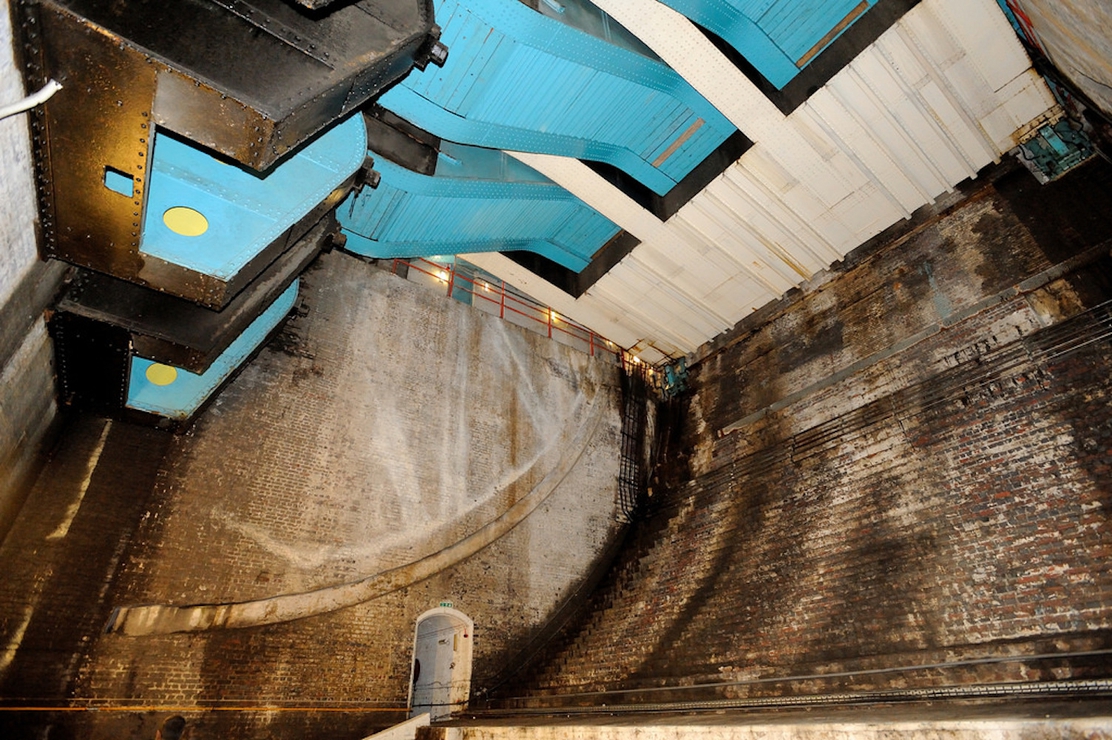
(1028, 720)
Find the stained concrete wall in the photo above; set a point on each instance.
(1076, 35)
(27, 410)
(901, 465)
(382, 427)
(17, 206)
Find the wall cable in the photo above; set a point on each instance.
(38, 98)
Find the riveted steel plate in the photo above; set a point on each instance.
(250, 80)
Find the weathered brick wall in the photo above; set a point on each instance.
(384, 424)
(916, 472)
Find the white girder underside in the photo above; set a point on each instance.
(936, 98)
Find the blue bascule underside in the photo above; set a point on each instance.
(479, 200)
(778, 37)
(522, 81)
(246, 211)
(184, 395)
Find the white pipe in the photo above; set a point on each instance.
(31, 101)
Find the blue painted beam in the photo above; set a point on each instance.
(478, 201)
(518, 80)
(778, 37)
(176, 393)
(243, 212)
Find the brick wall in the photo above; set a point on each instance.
(384, 424)
(903, 464)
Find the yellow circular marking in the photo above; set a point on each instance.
(162, 374)
(185, 221)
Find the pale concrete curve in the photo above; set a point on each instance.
(164, 619)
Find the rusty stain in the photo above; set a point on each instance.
(679, 142)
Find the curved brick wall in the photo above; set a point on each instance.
(387, 429)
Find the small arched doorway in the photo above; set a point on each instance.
(440, 676)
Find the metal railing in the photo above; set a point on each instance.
(798, 690)
(637, 383)
(470, 285)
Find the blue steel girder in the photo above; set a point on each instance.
(177, 393)
(778, 37)
(244, 211)
(518, 80)
(477, 208)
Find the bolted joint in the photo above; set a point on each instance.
(431, 51)
(336, 240)
(367, 176)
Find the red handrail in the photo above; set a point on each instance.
(509, 300)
